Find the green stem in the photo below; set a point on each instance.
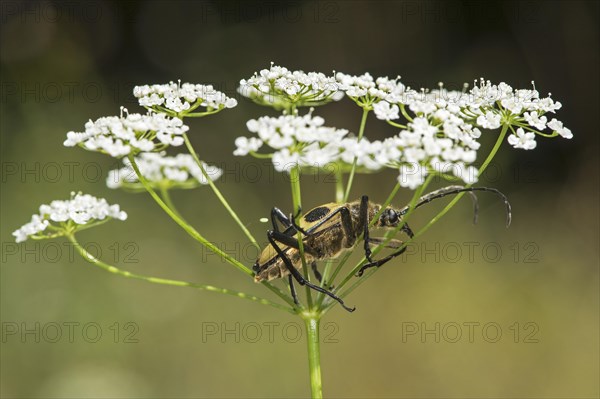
(396, 124)
(339, 198)
(197, 236)
(314, 356)
(90, 225)
(189, 229)
(387, 202)
(437, 217)
(297, 205)
(218, 193)
(157, 280)
(404, 113)
(483, 167)
(361, 131)
(164, 193)
(339, 184)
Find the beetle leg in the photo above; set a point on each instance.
(316, 272)
(293, 289)
(363, 223)
(288, 223)
(380, 262)
(406, 228)
(293, 222)
(291, 242)
(276, 215)
(298, 276)
(392, 244)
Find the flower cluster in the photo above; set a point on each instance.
(119, 136)
(180, 171)
(421, 148)
(486, 106)
(80, 210)
(304, 141)
(175, 98)
(365, 90)
(522, 107)
(281, 88)
(443, 127)
(441, 133)
(438, 138)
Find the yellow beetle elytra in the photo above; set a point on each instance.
(330, 229)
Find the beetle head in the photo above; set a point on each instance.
(389, 218)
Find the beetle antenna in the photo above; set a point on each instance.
(452, 190)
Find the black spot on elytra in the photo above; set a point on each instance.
(316, 214)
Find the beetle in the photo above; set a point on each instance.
(330, 229)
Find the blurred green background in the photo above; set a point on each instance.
(65, 62)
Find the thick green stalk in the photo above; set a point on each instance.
(361, 131)
(314, 355)
(339, 198)
(197, 236)
(157, 280)
(297, 205)
(218, 192)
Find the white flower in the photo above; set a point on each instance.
(37, 225)
(522, 140)
(558, 127)
(513, 104)
(285, 160)
(547, 105)
(533, 119)
(81, 209)
(119, 136)
(411, 175)
(279, 87)
(245, 145)
(367, 89)
(422, 107)
(384, 111)
(316, 156)
(468, 174)
(180, 171)
(490, 120)
(177, 97)
(306, 142)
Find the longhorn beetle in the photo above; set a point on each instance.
(330, 229)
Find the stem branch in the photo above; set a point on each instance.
(361, 131)
(212, 185)
(197, 236)
(157, 280)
